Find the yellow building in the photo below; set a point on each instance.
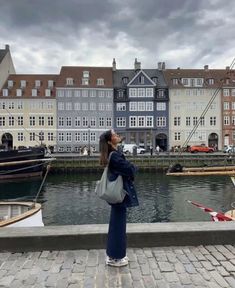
(28, 111)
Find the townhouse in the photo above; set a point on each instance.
(141, 105)
(191, 92)
(28, 111)
(84, 107)
(6, 65)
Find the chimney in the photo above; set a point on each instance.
(163, 66)
(114, 65)
(159, 64)
(227, 68)
(206, 67)
(7, 47)
(137, 65)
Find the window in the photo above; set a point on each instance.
(226, 105)
(20, 136)
(68, 106)
(18, 92)
(141, 106)
(41, 121)
(149, 106)
(68, 93)
(77, 93)
(133, 106)
(188, 121)
(101, 93)
(77, 106)
(84, 93)
(176, 121)
(48, 92)
(85, 136)
(225, 92)
(141, 79)
(50, 121)
(93, 106)
(92, 93)
(68, 121)
(32, 121)
(149, 92)
(60, 105)
(68, 137)
(77, 137)
(155, 79)
(85, 81)
(212, 120)
(149, 121)
(109, 106)
(11, 105)
(121, 106)
(101, 106)
(32, 136)
(84, 121)
(161, 106)
(22, 83)
(233, 105)
(160, 93)
(226, 120)
(20, 121)
(141, 92)
(133, 121)
(60, 93)
(93, 137)
(11, 121)
(2, 121)
(175, 81)
(61, 121)
(101, 122)
(5, 92)
(161, 121)
(34, 92)
(185, 81)
(9, 83)
(50, 83)
(93, 121)
(37, 83)
(194, 120)
(61, 137)
(121, 121)
(84, 106)
(69, 81)
(108, 122)
(86, 74)
(77, 121)
(133, 92)
(211, 81)
(233, 120)
(50, 136)
(202, 121)
(125, 80)
(100, 81)
(177, 136)
(233, 92)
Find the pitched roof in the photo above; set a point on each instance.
(76, 72)
(30, 84)
(3, 53)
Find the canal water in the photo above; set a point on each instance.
(70, 199)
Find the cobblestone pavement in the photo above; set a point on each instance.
(202, 266)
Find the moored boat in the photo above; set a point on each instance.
(23, 163)
(20, 214)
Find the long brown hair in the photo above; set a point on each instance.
(105, 147)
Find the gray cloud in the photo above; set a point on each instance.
(44, 35)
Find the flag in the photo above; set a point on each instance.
(216, 216)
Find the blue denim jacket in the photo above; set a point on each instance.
(118, 165)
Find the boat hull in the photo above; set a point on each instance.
(20, 214)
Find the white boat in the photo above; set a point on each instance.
(20, 214)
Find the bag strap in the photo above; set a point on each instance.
(110, 155)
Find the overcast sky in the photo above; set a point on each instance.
(46, 34)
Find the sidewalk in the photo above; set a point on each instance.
(181, 266)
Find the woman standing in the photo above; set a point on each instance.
(118, 165)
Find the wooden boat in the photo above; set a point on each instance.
(20, 214)
(201, 171)
(23, 163)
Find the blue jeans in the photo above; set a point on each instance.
(116, 241)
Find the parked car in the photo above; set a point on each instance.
(129, 149)
(229, 149)
(201, 148)
(140, 150)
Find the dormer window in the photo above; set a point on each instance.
(100, 81)
(5, 92)
(227, 80)
(34, 92)
(69, 81)
(141, 79)
(22, 83)
(155, 79)
(18, 92)
(50, 83)
(175, 81)
(185, 81)
(85, 81)
(37, 83)
(125, 80)
(86, 74)
(211, 81)
(48, 92)
(10, 84)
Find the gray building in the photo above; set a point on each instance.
(84, 107)
(141, 105)
(6, 65)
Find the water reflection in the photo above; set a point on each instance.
(70, 199)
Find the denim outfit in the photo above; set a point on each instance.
(116, 242)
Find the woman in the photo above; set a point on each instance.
(118, 165)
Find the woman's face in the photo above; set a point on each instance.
(115, 138)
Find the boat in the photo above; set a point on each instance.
(179, 170)
(23, 163)
(20, 214)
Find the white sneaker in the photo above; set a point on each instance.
(117, 262)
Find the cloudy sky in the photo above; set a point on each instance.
(46, 34)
